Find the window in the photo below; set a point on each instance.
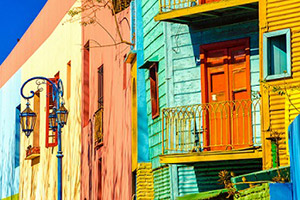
(154, 90)
(36, 108)
(69, 79)
(124, 73)
(99, 193)
(51, 137)
(120, 5)
(98, 116)
(17, 136)
(277, 54)
(100, 86)
(86, 84)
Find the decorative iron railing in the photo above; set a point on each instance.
(169, 5)
(98, 127)
(217, 126)
(120, 5)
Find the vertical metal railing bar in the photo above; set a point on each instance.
(249, 117)
(172, 132)
(162, 132)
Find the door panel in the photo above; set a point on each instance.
(218, 122)
(241, 135)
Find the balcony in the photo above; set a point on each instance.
(98, 128)
(32, 152)
(219, 129)
(207, 13)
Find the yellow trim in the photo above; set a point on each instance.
(134, 129)
(201, 9)
(205, 157)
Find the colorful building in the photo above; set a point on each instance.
(202, 92)
(279, 70)
(162, 96)
(106, 112)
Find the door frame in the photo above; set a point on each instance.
(204, 79)
(215, 46)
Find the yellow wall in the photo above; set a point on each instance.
(40, 180)
(144, 182)
(278, 113)
(134, 115)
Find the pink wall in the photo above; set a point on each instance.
(116, 151)
(41, 28)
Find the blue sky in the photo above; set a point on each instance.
(16, 17)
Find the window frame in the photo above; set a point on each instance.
(266, 61)
(155, 100)
(49, 144)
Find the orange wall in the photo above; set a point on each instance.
(36, 34)
(116, 151)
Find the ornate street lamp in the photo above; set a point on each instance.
(57, 119)
(28, 119)
(52, 120)
(62, 115)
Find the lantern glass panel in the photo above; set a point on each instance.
(52, 119)
(62, 115)
(28, 120)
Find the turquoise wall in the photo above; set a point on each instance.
(143, 138)
(179, 67)
(178, 48)
(154, 46)
(9, 100)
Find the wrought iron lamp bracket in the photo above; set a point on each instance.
(57, 88)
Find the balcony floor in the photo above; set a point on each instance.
(250, 153)
(213, 14)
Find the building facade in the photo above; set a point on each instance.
(202, 89)
(106, 112)
(162, 97)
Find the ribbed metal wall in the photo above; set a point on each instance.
(282, 14)
(162, 186)
(144, 182)
(203, 176)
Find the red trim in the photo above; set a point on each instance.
(154, 90)
(49, 104)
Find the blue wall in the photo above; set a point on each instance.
(143, 139)
(9, 169)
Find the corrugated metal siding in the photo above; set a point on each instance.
(261, 192)
(144, 181)
(162, 185)
(280, 15)
(202, 177)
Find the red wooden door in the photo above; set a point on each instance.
(217, 122)
(226, 90)
(239, 72)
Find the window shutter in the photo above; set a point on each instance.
(51, 137)
(154, 91)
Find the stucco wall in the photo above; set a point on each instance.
(40, 180)
(9, 100)
(116, 150)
